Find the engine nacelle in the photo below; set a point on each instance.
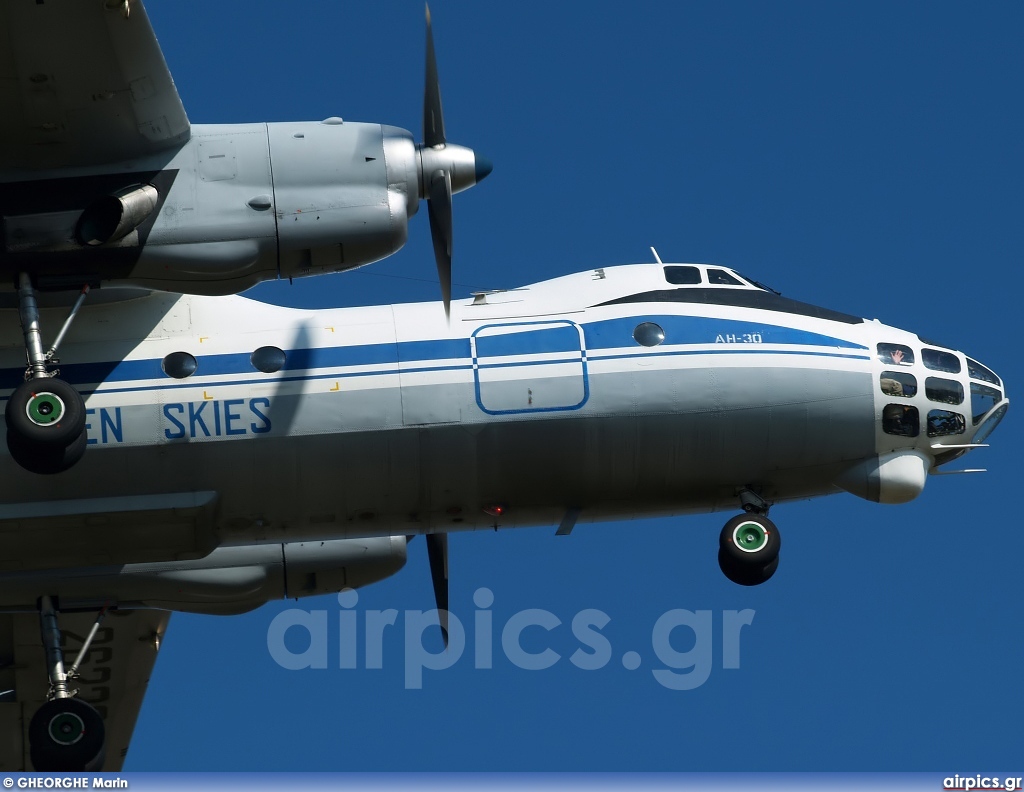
(897, 477)
(233, 206)
(229, 580)
(339, 193)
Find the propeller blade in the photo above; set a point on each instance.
(433, 118)
(437, 552)
(439, 209)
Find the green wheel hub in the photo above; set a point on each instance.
(44, 409)
(750, 536)
(66, 728)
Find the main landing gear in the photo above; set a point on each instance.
(45, 416)
(66, 734)
(748, 547)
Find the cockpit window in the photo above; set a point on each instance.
(937, 360)
(979, 372)
(720, 277)
(901, 419)
(945, 422)
(682, 276)
(990, 424)
(759, 284)
(896, 354)
(983, 399)
(944, 390)
(898, 383)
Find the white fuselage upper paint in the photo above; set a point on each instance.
(387, 421)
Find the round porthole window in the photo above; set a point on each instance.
(179, 365)
(648, 334)
(268, 359)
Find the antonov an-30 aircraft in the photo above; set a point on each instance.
(243, 452)
(104, 182)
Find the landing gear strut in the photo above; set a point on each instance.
(45, 416)
(66, 734)
(748, 547)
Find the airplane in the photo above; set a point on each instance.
(244, 452)
(105, 183)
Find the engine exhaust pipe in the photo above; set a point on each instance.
(114, 216)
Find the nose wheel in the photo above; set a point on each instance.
(748, 549)
(45, 415)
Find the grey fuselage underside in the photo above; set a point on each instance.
(368, 481)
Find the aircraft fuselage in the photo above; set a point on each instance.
(533, 404)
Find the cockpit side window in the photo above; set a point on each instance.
(898, 383)
(896, 354)
(983, 399)
(937, 360)
(979, 372)
(720, 277)
(901, 419)
(944, 390)
(759, 285)
(682, 276)
(945, 422)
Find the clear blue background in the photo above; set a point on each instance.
(865, 157)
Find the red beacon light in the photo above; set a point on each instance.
(494, 511)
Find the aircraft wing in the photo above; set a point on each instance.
(83, 83)
(113, 677)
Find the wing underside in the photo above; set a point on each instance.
(113, 677)
(83, 83)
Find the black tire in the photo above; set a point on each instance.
(745, 574)
(762, 545)
(66, 736)
(46, 460)
(46, 411)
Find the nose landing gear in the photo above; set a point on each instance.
(748, 547)
(45, 416)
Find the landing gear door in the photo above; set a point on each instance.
(530, 367)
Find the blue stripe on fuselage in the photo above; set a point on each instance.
(542, 339)
(613, 333)
(605, 334)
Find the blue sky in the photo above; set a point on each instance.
(865, 157)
